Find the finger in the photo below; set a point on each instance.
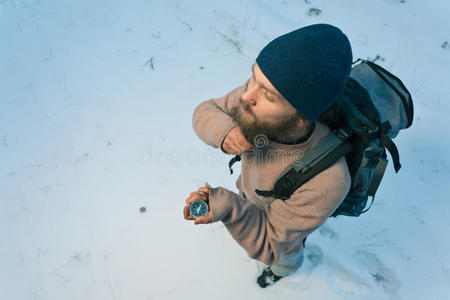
(236, 143)
(204, 190)
(226, 148)
(186, 213)
(229, 145)
(202, 196)
(200, 220)
(245, 144)
(240, 144)
(238, 148)
(233, 149)
(203, 219)
(193, 196)
(240, 138)
(248, 145)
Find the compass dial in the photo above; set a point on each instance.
(198, 208)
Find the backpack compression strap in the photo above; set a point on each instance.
(377, 176)
(387, 142)
(319, 158)
(236, 158)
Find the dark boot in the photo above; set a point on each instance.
(267, 278)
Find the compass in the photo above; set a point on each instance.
(198, 208)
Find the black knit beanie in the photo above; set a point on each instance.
(309, 66)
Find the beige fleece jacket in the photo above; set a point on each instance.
(264, 226)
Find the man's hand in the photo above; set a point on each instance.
(235, 142)
(201, 194)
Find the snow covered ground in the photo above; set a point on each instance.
(96, 100)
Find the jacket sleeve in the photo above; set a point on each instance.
(211, 119)
(266, 233)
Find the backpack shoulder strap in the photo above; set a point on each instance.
(319, 158)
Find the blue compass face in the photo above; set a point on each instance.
(198, 208)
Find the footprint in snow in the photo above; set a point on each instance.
(365, 277)
(377, 272)
(301, 280)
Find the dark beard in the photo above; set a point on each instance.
(254, 129)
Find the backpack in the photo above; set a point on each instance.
(373, 107)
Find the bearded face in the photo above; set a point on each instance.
(253, 126)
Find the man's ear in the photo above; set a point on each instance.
(302, 121)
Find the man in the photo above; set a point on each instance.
(270, 121)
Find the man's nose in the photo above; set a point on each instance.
(249, 96)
